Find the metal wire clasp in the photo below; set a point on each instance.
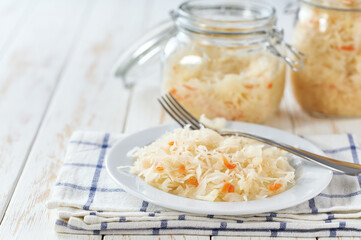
(296, 61)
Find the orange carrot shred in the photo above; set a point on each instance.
(270, 85)
(182, 169)
(189, 87)
(192, 181)
(348, 48)
(249, 86)
(173, 91)
(227, 187)
(231, 188)
(171, 143)
(228, 165)
(274, 186)
(160, 168)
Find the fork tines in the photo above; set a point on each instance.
(178, 112)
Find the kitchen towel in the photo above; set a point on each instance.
(88, 201)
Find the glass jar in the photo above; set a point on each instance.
(221, 58)
(329, 32)
(225, 60)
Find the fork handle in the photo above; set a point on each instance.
(333, 164)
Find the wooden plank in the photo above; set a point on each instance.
(86, 98)
(160, 237)
(13, 15)
(351, 125)
(159, 10)
(29, 73)
(303, 123)
(285, 21)
(282, 119)
(144, 109)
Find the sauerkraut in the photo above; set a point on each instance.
(202, 164)
(226, 82)
(330, 83)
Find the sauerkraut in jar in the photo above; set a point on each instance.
(226, 82)
(329, 32)
(227, 60)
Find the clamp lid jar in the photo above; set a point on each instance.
(227, 60)
(224, 59)
(329, 32)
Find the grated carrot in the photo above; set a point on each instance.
(249, 86)
(348, 48)
(270, 85)
(160, 168)
(231, 189)
(173, 91)
(182, 169)
(171, 143)
(274, 186)
(189, 87)
(227, 187)
(228, 165)
(192, 181)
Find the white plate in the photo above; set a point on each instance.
(310, 178)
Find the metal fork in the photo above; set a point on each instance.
(184, 118)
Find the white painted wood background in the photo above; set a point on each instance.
(55, 77)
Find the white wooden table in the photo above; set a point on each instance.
(55, 77)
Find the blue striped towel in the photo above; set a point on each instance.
(88, 201)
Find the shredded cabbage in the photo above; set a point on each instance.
(225, 82)
(330, 83)
(202, 164)
(217, 123)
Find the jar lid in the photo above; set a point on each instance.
(225, 17)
